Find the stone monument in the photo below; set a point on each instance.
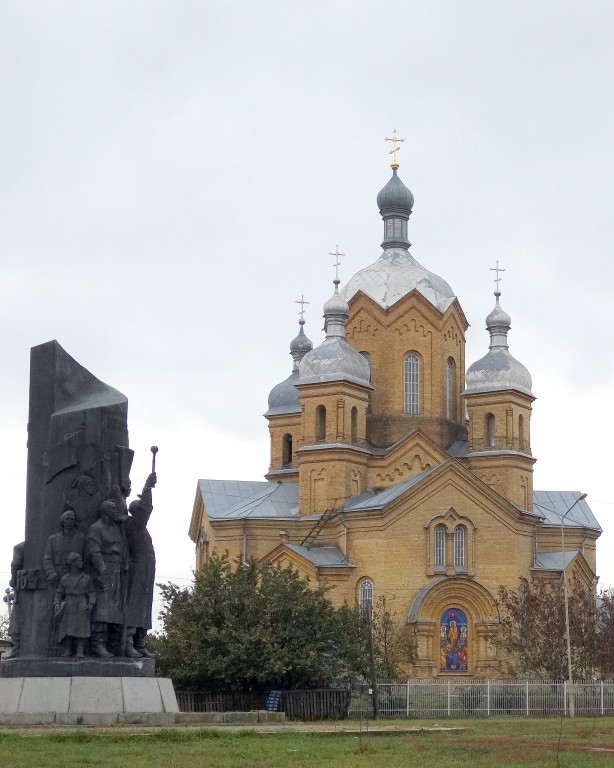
(84, 575)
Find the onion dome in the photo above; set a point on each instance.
(283, 398)
(498, 370)
(334, 359)
(396, 273)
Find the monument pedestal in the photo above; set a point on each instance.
(87, 700)
(89, 666)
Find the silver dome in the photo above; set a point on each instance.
(283, 398)
(334, 359)
(498, 370)
(395, 274)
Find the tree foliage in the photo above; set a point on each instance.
(244, 626)
(393, 642)
(532, 634)
(4, 626)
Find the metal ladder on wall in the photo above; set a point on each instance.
(330, 514)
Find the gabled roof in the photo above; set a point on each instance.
(322, 557)
(552, 506)
(553, 561)
(228, 499)
(379, 499)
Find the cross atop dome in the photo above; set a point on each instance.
(395, 140)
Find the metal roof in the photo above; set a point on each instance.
(379, 499)
(227, 499)
(553, 505)
(323, 557)
(553, 561)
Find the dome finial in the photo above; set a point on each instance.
(395, 140)
(497, 279)
(336, 254)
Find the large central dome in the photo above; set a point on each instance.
(395, 274)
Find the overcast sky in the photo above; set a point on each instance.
(174, 175)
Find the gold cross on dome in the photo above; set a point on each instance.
(497, 269)
(302, 302)
(336, 254)
(395, 140)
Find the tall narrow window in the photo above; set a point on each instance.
(440, 546)
(450, 389)
(490, 431)
(287, 451)
(365, 597)
(459, 546)
(521, 433)
(412, 384)
(320, 423)
(354, 418)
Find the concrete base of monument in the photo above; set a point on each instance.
(87, 700)
(32, 666)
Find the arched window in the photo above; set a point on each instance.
(320, 423)
(490, 431)
(521, 432)
(412, 383)
(287, 450)
(459, 546)
(354, 419)
(440, 546)
(453, 643)
(450, 389)
(365, 597)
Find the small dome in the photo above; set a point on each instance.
(395, 198)
(283, 398)
(498, 370)
(334, 359)
(300, 345)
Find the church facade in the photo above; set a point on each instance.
(397, 472)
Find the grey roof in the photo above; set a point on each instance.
(323, 557)
(232, 499)
(334, 360)
(395, 197)
(395, 274)
(553, 561)
(283, 398)
(379, 499)
(458, 449)
(553, 505)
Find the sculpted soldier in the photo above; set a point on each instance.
(106, 555)
(15, 619)
(60, 545)
(141, 571)
(73, 603)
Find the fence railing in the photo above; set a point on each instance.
(417, 699)
(452, 698)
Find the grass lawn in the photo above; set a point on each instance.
(512, 742)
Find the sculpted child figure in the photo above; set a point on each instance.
(74, 601)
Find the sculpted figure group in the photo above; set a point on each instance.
(102, 580)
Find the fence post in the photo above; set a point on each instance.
(449, 699)
(564, 697)
(527, 697)
(488, 698)
(601, 696)
(407, 713)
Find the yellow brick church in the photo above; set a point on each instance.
(393, 472)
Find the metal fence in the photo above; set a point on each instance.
(486, 698)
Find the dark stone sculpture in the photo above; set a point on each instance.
(15, 617)
(107, 557)
(141, 571)
(60, 545)
(78, 481)
(74, 600)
